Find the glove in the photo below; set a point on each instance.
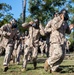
(8, 34)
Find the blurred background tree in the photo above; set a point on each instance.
(5, 15)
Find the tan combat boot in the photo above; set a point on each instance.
(46, 66)
(23, 69)
(17, 63)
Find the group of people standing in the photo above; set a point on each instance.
(55, 31)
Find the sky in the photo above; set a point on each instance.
(16, 7)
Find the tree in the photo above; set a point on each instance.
(5, 15)
(70, 7)
(44, 9)
(20, 21)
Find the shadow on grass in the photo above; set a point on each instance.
(64, 69)
(67, 69)
(38, 68)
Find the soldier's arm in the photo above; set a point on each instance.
(57, 25)
(15, 45)
(42, 32)
(48, 27)
(26, 25)
(31, 35)
(2, 30)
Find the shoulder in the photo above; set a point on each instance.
(4, 26)
(57, 19)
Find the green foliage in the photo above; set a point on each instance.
(44, 9)
(28, 19)
(5, 15)
(20, 21)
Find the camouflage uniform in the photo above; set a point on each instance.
(57, 29)
(42, 46)
(32, 43)
(7, 42)
(17, 48)
(25, 46)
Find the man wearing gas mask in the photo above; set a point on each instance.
(35, 29)
(57, 27)
(8, 31)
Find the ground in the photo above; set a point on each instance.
(67, 68)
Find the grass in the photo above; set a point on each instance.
(67, 68)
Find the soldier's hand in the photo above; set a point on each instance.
(62, 16)
(71, 26)
(24, 24)
(31, 22)
(8, 34)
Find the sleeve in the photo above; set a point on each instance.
(25, 25)
(42, 32)
(31, 35)
(48, 27)
(15, 45)
(2, 30)
(57, 25)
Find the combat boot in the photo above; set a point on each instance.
(35, 64)
(46, 66)
(5, 68)
(17, 63)
(23, 69)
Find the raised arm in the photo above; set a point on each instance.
(57, 23)
(4, 31)
(27, 25)
(48, 27)
(42, 32)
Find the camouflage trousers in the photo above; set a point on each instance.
(27, 51)
(16, 54)
(47, 50)
(56, 56)
(8, 53)
(42, 50)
